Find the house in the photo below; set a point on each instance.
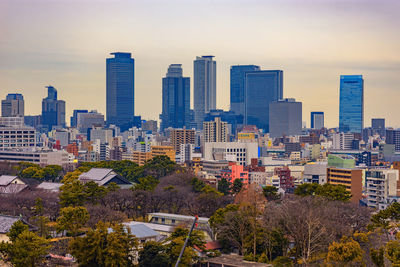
(11, 184)
(163, 231)
(143, 233)
(6, 222)
(52, 187)
(104, 177)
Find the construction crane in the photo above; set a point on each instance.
(196, 218)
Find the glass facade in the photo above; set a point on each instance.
(205, 94)
(351, 109)
(317, 120)
(238, 83)
(53, 110)
(175, 99)
(120, 90)
(262, 88)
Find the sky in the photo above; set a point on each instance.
(65, 43)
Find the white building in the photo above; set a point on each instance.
(12, 121)
(381, 187)
(342, 141)
(17, 137)
(315, 173)
(41, 157)
(242, 153)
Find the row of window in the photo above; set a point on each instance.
(17, 141)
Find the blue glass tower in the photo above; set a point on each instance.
(317, 119)
(238, 83)
(53, 110)
(262, 88)
(351, 108)
(120, 90)
(74, 118)
(175, 99)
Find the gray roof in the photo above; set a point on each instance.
(6, 179)
(12, 188)
(153, 226)
(178, 216)
(142, 231)
(100, 176)
(6, 222)
(50, 186)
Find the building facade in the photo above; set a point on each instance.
(13, 106)
(351, 108)
(17, 137)
(378, 126)
(238, 84)
(351, 179)
(180, 137)
(262, 88)
(215, 131)
(285, 118)
(175, 99)
(205, 84)
(120, 90)
(53, 110)
(382, 187)
(317, 120)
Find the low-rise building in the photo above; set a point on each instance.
(382, 187)
(17, 137)
(239, 152)
(349, 178)
(315, 173)
(41, 157)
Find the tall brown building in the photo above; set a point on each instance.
(350, 178)
(182, 136)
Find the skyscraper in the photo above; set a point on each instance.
(317, 120)
(12, 106)
(120, 90)
(285, 118)
(175, 99)
(53, 110)
(378, 126)
(74, 117)
(238, 83)
(351, 108)
(262, 88)
(205, 97)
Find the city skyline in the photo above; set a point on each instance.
(312, 64)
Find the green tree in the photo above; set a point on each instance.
(197, 184)
(328, 191)
(72, 192)
(33, 172)
(16, 229)
(270, 193)
(148, 183)
(72, 219)
(102, 248)
(344, 253)
(307, 189)
(28, 249)
(93, 192)
(386, 219)
(393, 252)
(237, 186)
(378, 256)
(153, 255)
(224, 186)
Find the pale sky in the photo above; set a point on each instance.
(64, 43)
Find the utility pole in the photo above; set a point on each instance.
(187, 240)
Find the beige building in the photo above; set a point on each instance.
(182, 136)
(215, 131)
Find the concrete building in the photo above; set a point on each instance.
(13, 106)
(349, 178)
(215, 131)
(104, 135)
(138, 157)
(86, 121)
(150, 125)
(382, 187)
(242, 153)
(163, 151)
(41, 157)
(12, 121)
(342, 141)
(181, 136)
(285, 118)
(17, 137)
(315, 173)
(317, 120)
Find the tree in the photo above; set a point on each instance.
(153, 255)
(393, 252)
(378, 256)
(237, 186)
(270, 193)
(386, 219)
(101, 247)
(328, 191)
(93, 192)
(72, 192)
(224, 186)
(28, 249)
(16, 229)
(344, 253)
(33, 172)
(307, 189)
(72, 219)
(147, 183)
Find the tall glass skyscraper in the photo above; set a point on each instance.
(175, 99)
(317, 120)
(351, 108)
(238, 83)
(53, 110)
(262, 88)
(120, 90)
(205, 84)
(12, 106)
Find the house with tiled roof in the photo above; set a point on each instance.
(11, 184)
(104, 177)
(6, 222)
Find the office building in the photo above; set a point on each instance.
(120, 90)
(315, 173)
(351, 179)
(17, 137)
(351, 108)
(382, 187)
(233, 119)
(317, 120)
(215, 131)
(88, 120)
(74, 117)
(104, 135)
(393, 138)
(12, 121)
(342, 141)
(175, 99)
(205, 84)
(285, 117)
(163, 151)
(238, 84)
(378, 126)
(150, 126)
(33, 121)
(242, 153)
(40, 157)
(53, 110)
(137, 157)
(262, 88)
(12, 106)
(181, 136)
